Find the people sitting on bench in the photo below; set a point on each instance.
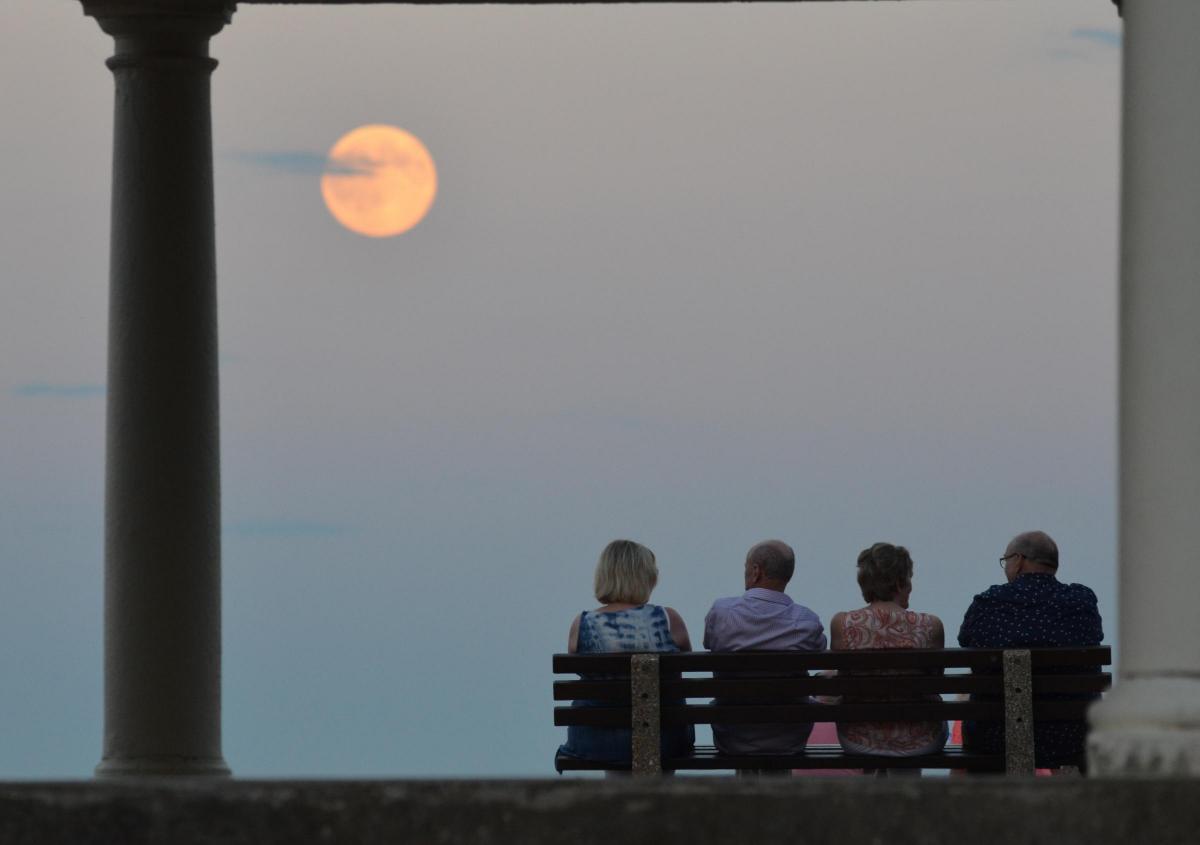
(626, 574)
(885, 578)
(764, 618)
(1032, 644)
(1033, 608)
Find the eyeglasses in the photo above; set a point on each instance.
(1004, 558)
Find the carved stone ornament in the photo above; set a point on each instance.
(173, 8)
(1147, 726)
(150, 17)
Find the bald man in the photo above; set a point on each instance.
(763, 618)
(1033, 608)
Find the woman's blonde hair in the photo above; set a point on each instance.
(882, 570)
(626, 572)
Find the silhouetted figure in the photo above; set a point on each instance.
(764, 618)
(626, 574)
(1033, 608)
(885, 575)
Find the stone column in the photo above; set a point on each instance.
(162, 602)
(1150, 723)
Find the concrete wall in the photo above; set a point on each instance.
(695, 811)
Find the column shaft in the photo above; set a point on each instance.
(1150, 723)
(162, 649)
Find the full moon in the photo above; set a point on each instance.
(379, 181)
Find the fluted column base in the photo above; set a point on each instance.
(1149, 727)
(140, 767)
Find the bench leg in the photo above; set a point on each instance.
(1018, 713)
(647, 715)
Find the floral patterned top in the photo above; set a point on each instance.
(881, 626)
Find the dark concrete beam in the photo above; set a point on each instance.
(697, 811)
(514, 2)
(529, 2)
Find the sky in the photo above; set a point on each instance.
(698, 276)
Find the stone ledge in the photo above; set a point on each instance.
(696, 811)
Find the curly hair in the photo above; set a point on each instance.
(882, 569)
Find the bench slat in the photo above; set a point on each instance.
(832, 757)
(1094, 683)
(617, 691)
(768, 688)
(899, 711)
(707, 758)
(707, 714)
(797, 661)
(787, 661)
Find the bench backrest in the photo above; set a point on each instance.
(644, 691)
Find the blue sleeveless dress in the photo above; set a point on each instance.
(639, 629)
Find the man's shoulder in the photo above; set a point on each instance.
(1082, 592)
(997, 592)
(724, 605)
(1080, 602)
(804, 612)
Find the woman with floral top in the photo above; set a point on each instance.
(885, 577)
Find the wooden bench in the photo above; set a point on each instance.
(642, 691)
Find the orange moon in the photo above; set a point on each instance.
(379, 181)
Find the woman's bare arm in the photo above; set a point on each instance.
(573, 636)
(837, 630)
(679, 631)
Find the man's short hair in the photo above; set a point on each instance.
(882, 570)
(626, 572)
(775, 558)
(1037, 546)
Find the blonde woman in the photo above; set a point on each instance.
(626, 574)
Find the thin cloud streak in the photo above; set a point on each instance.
(1106, 37)
(46, 390)
(283, 528)
(301, 163)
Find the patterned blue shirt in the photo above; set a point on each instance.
(638, 629)
(1034, 609)
(643, 628)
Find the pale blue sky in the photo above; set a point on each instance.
(698, 276)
